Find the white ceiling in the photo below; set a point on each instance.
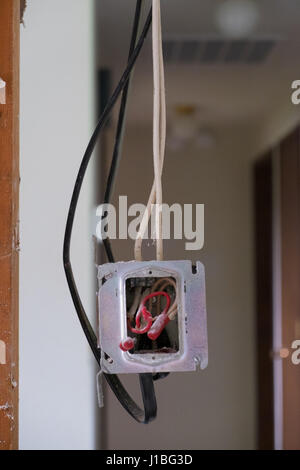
(225, 94)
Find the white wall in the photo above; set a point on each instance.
(56, 366)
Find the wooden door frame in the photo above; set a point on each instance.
(9, 223)
(264, 299)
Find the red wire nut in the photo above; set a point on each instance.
(158, 326)
(127, 344)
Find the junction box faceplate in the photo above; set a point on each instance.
(186, 346)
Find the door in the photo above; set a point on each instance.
(277, 196)
(290, 255)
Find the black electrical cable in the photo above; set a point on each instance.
(121, 120)
(120, 129)
(146, 380)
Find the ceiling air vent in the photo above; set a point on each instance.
(218, 51)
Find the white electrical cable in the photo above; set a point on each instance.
(157, 128)
(166, 283)
(159, 139)
(135, 304)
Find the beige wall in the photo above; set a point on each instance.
(214, 409)
(276, 124)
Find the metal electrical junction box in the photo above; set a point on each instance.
(183, 346)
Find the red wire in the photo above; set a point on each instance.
(147, 315)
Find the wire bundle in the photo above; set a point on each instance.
(159, 145)
(146, 380)
(162, 284)
(145, 313)
(159, 139)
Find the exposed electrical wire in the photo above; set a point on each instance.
(146, 380)
(156, 39)
(144, 312)
(167, 282)
(117, 151)
(152, 325)
(135, 304)
(159, 145)
(159, 139)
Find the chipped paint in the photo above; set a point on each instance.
(2, 353)
(5, 407)
(2, 91)
(23, 5)
(10, 416)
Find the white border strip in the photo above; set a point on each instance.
(277, 303)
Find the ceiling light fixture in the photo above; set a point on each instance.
(237, 18)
